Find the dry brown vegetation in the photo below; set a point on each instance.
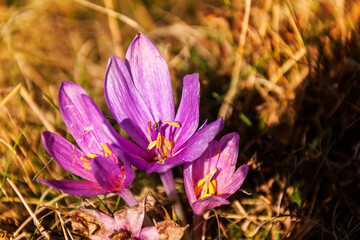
(284, 74)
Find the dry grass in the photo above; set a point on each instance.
(284, 74)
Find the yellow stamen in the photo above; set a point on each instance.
(87, 166)
(91, 155)
(107, 150)
(158, 141)
(172, 123)
(151, 145)
(165, 152)
(212, 187)
(84, 159)
(198, 186)
(168, 144)
(214, 183)
(148, 128)
(206, 187)
(205, 195)
(200, 182)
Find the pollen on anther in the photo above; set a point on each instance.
(158, 141)
(205, 196)
(91, 155)
(107, 150)
(148, 126)
(84, 159)
(172, 123)
(87, 166)
(151, 145)
(168, 144)
(212, 187)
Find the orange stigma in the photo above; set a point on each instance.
(206, 187)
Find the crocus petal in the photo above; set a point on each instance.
(149, 233)
(198, 143)
(135, 218)
(129, 174)
(100, 123)
(200, 206)
(228, 157)
(207, 161)
(121, 220)
(158, 167)
(65, 154)
(189, 183)
(107, 173)
(131, 219)
(151, 77)
(74, 187)
(126, 150)
(125, 103)
(135, 160)
(82, 117)
(235, 182)
(188, 112)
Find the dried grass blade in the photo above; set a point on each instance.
(33, 216)
(226, 107)
(9, 160)
(112, 13)
(288, 65)
(63, 227)
(115, 30)
(24, 93)
(16, 233)
(10, 95)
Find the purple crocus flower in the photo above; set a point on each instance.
(95, 162)
(126, 223)
(140, 97)
(211, 179)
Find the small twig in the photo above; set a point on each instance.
(112, 13)
(203, 227)
(218, 222)
(62, 224)
(268, 220)
(68, 231)
(245, 25)
(288, 65)
(33, 216)
(21, 236)
(42, 169)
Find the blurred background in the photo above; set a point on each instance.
(284, 74)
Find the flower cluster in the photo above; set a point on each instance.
(140, 97)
